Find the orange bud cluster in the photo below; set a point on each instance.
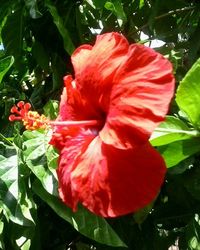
(31, 119)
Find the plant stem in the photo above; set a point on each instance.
(171, 12)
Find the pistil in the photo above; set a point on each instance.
(32, 120)
(76, 123)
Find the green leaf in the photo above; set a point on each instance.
(193, 233)
(52, 157)
(141, 4)
(40, 55)
(58, 70)
(177, 151)
(68, 44)
(117, 8)
(51, 109)
(12, 35)
(171, 130)
(5, 65)
(141, 215)
(194, 45)
(97, 4)
(35, 147)
(14, 202)
(83, 221)
(2, 245)
(188, 94)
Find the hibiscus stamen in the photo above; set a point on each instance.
(76, 123)
(33, 120)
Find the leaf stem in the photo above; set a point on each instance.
(187, 132)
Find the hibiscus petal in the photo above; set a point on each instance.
(108, 181)
(95, 67)
(74, 106)
(140, 100)
(73, 144)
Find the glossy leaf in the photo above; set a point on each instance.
(13, 38)
(51, 109)
(117, 8)
(88, 224)
(52, 158)
(5, 65)
(176, 152)
(15, 204)
(35, 147)
(171, 130)
(188, 94)
(68, 44)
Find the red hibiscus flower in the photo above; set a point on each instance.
(120, 93)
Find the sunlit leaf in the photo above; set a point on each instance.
(188, 94)
(35, 147)
(175, 152)
(117, 8)
(13, 201)
(141, 4)
(51, 109)
(172, 129)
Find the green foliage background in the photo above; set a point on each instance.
(37, 38)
